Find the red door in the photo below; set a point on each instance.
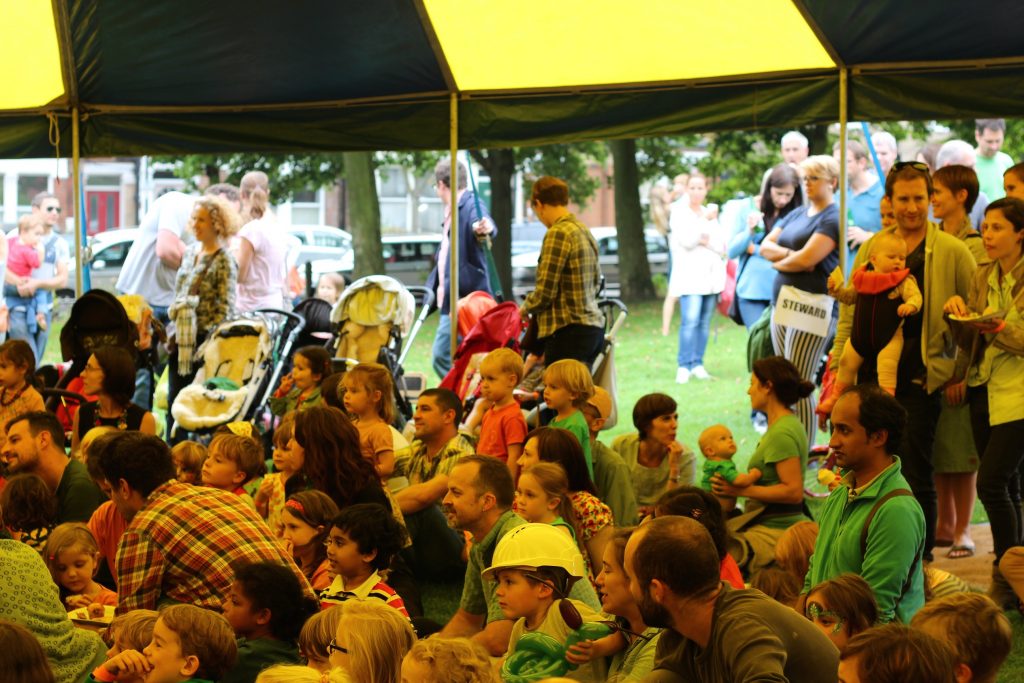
(103, 209)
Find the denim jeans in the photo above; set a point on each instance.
(696, 311)
(442, 351)
(23, 325)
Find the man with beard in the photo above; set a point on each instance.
(716, 634)
(871, 524)
(479, 501)
(35, 445)
(437, 548)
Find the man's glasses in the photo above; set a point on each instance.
(53, 209)
(333, 647)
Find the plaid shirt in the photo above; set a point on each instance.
(423, 467)
(568, 278)
(182, 544)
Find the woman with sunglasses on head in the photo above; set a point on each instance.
(803, 250)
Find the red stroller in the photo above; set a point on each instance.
(498, 327)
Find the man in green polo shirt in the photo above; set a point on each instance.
(871, 524)
(479, 501)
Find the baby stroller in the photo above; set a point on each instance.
(498, 327)
(375, 325)
(240, 365)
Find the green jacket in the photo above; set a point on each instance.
(895, 543)
(948, 271)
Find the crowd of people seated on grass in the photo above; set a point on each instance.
(298, 546)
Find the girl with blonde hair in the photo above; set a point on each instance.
(371, 640)
(447, 660)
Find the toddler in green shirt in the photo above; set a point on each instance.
(718, 447)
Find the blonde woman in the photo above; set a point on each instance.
(204, 289)
(371, 640)
(263, 247)
(802, 248)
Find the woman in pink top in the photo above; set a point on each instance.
(262, 249)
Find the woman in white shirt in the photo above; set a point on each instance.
(698, 274)
(262, 248)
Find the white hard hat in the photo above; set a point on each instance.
(532, 546)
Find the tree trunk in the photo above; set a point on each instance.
(500, 165)
(634, 270)
(364, 212)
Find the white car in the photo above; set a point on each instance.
(524, 266)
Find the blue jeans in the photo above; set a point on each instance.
(696, 310)
(442, 351)
(23, 325)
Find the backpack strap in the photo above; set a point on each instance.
(895, 493)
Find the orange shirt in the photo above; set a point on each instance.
(501, 428)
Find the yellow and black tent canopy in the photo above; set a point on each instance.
(264, 75)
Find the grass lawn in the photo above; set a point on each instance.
(645, 363)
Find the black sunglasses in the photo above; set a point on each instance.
(53, 209)
(333, 646)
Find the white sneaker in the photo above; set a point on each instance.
(682, 376)
(700, 373)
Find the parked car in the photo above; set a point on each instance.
(407, 258)
(524, 266)
(527, 237)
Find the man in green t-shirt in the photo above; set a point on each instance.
(990, 163)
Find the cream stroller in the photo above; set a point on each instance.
(375, 325)
(240, 363)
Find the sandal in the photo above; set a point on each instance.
(959, 552)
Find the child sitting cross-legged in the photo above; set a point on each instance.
(361, 544)
(130, 631)
(718, 446)
(232, 461)
(534, 566)
(189, 644)
(266, 608)
(502, 425)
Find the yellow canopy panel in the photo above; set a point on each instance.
(28, 51)
(524, 44)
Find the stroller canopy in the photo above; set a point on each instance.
(376, 300)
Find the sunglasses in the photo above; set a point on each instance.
(333, 647)
(916, 165)
(53, 209)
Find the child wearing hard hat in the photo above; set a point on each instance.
(534, 566)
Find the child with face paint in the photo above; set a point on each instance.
(842, 607)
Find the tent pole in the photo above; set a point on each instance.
(453, 228)
(76, 189)
(844, 255)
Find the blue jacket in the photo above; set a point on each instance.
(473, 276)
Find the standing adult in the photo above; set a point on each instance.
(794, 148)
(479, 500)
(204, 290)
(182, 542)
(435, 451)
(109, 375)
(697, 277)
(657, 461)
(803, 250)
(474, 223)
(870, 524)
(564, 303)
(994, 350)
(943, 268)
(886, 150)
(954, 455)
(714, 632)
(755, 275)
(991, 163)
(775, 502)
(35, 445)
(960, 153)
(263, 246)
(51, 275)
(863, 216)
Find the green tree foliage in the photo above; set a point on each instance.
(289, 173)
